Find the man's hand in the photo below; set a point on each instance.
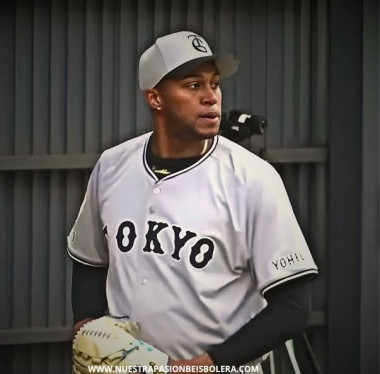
(79, 324)
(202, 360)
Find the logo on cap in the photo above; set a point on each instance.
(197, 43)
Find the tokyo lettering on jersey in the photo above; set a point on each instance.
(190, 255)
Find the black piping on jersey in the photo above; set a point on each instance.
(118, 317)
(288, 278)
(84, 262)
(173, 175)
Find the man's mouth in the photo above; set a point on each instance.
(212, 116)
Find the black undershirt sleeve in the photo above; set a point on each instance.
(88, 291)
(283, 318)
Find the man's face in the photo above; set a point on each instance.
(191, 104)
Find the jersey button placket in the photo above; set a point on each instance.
(156, 191)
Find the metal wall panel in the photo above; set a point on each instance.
(68, 87)
(370, 257)
(72, 67)
(345, 173)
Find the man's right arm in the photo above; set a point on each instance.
(88, 293)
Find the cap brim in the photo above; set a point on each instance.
(227, 65)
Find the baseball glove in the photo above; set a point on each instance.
(110, 342)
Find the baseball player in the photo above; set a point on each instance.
(187, 233)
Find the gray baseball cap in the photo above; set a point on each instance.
(175, 51)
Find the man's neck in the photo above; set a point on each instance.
(175, 148)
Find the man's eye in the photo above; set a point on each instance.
(215, 85)
(194, 85)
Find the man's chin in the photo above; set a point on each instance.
(209, 133)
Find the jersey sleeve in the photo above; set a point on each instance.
(86, 241)
(279, 250)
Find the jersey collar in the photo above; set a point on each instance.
(173, 175)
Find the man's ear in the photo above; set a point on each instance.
(152, 96)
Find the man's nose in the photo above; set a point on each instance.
(209, 96)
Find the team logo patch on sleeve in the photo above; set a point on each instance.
(73, 236)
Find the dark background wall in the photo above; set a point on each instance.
(68, 90)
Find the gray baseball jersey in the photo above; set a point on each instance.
(191, 255)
